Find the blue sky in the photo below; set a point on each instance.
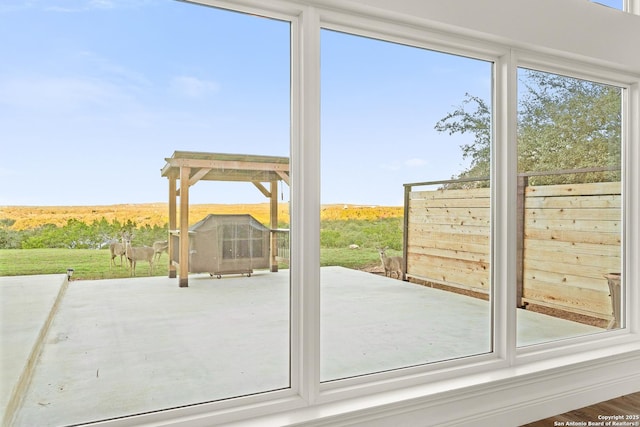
(94, 94)
(380, 102)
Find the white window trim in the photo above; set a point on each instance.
(504, 386)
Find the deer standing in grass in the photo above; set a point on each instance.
(159, 247)
(391, 264)
(140, 253)
(118, 248)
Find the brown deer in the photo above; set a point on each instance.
(391, 264)
(159, 247)
(118, 248)
(140, 253)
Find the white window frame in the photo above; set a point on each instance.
(593, 74)
(502, 386)
(359, 26)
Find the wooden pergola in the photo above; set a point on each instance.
(189, 167)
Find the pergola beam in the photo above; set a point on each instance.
(227, 164)
(263, 190)
(198, 175)
(284, 176)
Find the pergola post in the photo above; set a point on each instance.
(183, 280)
(172, 225)
(273, 198)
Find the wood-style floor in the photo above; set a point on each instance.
(627, 407)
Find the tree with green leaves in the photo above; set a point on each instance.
(564, 123)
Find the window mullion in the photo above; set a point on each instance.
(306, 198)
(504, 187)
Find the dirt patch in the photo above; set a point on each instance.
(567, 315)
(374, 269)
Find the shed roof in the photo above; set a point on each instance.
(211, 221)
(227, 167)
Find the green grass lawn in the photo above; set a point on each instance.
(91, 264)
(352, 258)
(88, 264)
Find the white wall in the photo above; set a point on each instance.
(571, 28)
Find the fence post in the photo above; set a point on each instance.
(523, 181)
(405, 230)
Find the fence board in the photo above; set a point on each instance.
(444, 218)
(580, 260)
(451, 253)
(600, 238)
(567, 279)
(481, 193)
(588, 189)
(451, 203)
(597, 303)
(420, 238)
(574, 225)
(575, 246)
(423, 244)
(563, 265)
(574, 202)
(454, 263)
(541, 214)
(452, 277)
(451, 212)
(450, 228)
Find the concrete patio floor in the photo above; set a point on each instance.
(126, 346)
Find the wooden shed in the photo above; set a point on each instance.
(226, 244)
(188, 167)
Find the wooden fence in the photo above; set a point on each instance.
(569, 237)
(448, 238)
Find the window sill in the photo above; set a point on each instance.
(511, 395)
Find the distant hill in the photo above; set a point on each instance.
(27, 217)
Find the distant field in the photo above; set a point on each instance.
(367, 226)
(26, 217)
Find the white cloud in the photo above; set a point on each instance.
(193, 87)
(392, 166)
(5, 172)
(113, 70)
(101, 4)
(57, 92)
(396, 165)
(415, 163)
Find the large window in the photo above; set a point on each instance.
(93, 98)
(570, 204)
(406, 271)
